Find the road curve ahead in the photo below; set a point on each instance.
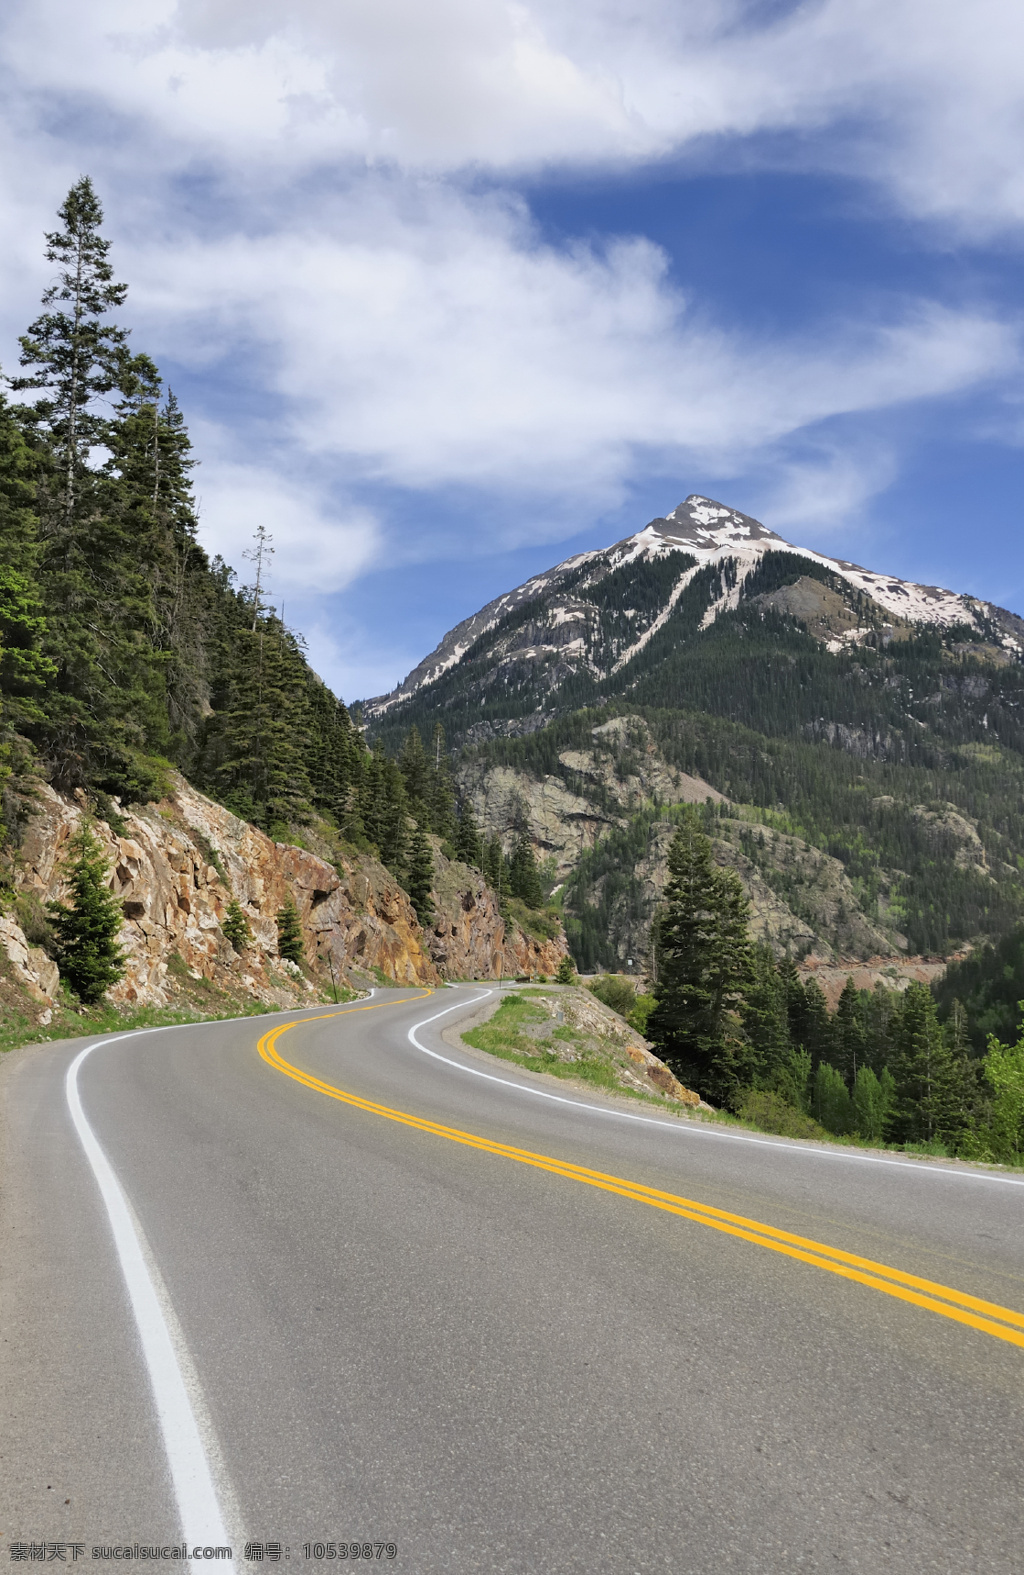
(323, 1279)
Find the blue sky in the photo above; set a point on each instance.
(448, 293)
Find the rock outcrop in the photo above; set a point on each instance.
(177, 865)
(469, 938)
(596, 789)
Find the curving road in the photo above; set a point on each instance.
(340, 1282)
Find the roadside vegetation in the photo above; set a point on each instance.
(526, 1029)
(751, 1037)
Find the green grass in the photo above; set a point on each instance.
(17, 1029)
(503, 1035)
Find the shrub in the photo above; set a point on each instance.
(236, 927)
(615, 990)
(765, 1109)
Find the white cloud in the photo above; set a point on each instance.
(923, 96)
(441, 344)
(827, 485)
(315, 547)
(353, 664)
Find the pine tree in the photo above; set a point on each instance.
(384, 809)
(162, 585)
(289, 932)
(848, 1033)
(77, 358)
(415, 769)
(394, 845)
(704, 965)
(523, 876)
(566, 973)
(104, 705)
(440, 791)
(921, 1069)
(235, 927)
(495, 870)
(468, 842)
(86, 933)
(420, 878)
(254, 754)
(880, 1014)
(25, 671)
(765, 1016)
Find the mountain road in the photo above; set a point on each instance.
(328, 1281)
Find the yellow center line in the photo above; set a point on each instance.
(1002, 1322)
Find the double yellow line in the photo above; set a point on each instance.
(1001, 1322)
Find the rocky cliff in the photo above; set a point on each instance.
(469, 939)
(177, 865)
(802, 901)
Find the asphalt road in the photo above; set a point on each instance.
(387, 1334)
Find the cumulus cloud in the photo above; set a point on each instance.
(924, 96)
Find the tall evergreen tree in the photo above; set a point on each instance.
(921, 1069)
(24, 669)
(468, 842)
(440, 789)
(421, 876)
(74, 358)
(416, 770)
(494, 867)
(765, 1016)
(101, 710)
(848, 1033)
(290, 943)
(86, 933)
(254, 753)
(704, 965)
(523, 875)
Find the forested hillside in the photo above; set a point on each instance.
(123, 648)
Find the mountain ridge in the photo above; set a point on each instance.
(709, 533)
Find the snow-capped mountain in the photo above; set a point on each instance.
(580, 614)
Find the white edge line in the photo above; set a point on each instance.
(198, 1507)
(689, 1128)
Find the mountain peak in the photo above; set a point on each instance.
(705, 524)
(562, 625)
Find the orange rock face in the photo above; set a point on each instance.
(185, 859)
